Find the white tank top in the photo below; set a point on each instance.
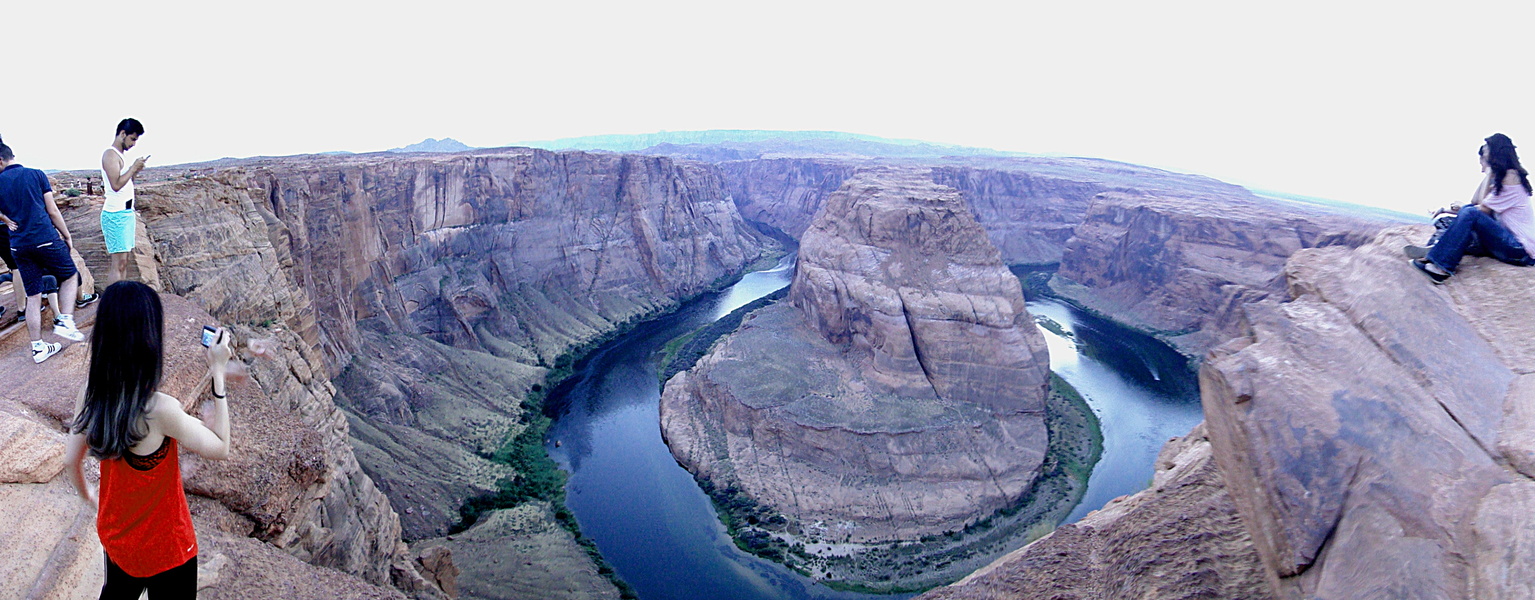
(122, 199)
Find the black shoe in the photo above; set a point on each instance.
(1423, 266)
(86, 300)
(1415, 252)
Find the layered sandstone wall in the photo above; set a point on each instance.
(897, 393)
(1028, 216)
(216, 242)
(436, 291)
(1177, 266)
(785, 193)
(443, 287)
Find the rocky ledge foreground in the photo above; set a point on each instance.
(899, 391)
(1375, 438)
(50, 548)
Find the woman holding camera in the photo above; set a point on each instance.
(137, 431)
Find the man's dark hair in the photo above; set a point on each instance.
(130, 126)
(5, 152)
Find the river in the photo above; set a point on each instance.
(658, 529)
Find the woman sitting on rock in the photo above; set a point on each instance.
(1499, 221)
(122, 419)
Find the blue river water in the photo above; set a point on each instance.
(658, 529)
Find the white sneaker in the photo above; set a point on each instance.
(41, 350)
(64, 327)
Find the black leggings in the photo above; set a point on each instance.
(180, 582)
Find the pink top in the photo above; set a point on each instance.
(1513, 209)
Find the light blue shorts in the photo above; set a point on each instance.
(118, 228)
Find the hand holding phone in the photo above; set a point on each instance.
(217, 342)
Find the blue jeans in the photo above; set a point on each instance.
(1478, 234)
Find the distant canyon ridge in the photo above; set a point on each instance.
(420, 297)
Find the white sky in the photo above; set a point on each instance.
(1369, 102)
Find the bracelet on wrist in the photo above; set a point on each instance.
(220, 396)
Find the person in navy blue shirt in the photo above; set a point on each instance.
(40, 243)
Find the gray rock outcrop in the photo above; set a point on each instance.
(1374, 429)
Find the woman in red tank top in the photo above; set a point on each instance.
(136, 431)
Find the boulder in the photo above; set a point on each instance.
(1372, 427)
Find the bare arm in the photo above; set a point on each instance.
(209, 440)
(112, 166)
(74, 457)
(58, 219)
(1481, 188)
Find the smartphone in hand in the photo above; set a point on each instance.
(210, 335)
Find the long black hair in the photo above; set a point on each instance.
(1500, 158)
(126, 355)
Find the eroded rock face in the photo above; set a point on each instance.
(215, 243)
(1373, 429)
(897, 393)
(1178, 265)
(436, 291)
(399, 271)
(785, 193)
(1179, 538)
(1028, 216)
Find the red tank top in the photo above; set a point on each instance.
(143, 521)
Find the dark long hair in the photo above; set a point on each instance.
(126, 354)
(1500, 158)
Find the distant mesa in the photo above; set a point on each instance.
(720, 145)
(434, 145)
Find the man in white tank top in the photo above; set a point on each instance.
(119, 216)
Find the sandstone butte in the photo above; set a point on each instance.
(897, 393)
(417, 299)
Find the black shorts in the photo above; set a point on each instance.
(179, 582)
(5, 247)
(51, 258)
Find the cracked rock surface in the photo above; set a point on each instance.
(1374, 430)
